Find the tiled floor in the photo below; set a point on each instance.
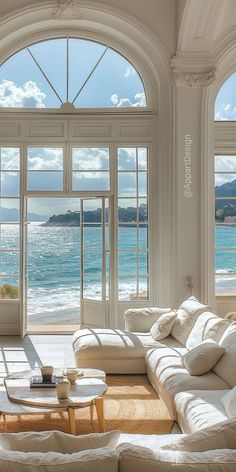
(17, 354)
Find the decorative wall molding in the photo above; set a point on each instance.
(67, 10)
(194, 79)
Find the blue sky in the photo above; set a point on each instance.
(225, 105)
(114, 83)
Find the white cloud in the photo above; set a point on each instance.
(130, 71)
(89, 159)
(28, 95)
(139, 97)
(45, 159)
(224, 178)
(227, 107)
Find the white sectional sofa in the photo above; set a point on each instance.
(192, 400)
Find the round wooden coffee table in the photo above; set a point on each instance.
(89, 390)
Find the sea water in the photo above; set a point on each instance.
(53, 264)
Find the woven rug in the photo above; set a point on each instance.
(131, 406)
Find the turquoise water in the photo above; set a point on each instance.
(54, 263)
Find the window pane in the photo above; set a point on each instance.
(225, 283)
(225, 164)
(9, 263)
(91, 181)
(127, 262)
(91, 290)
(143, 209)
(9, 236)
(127, 237)
(143, 263)
(90, 159)
(127, 184)
(142, 184)
(9, 288)
(127, 158)
(10, 158)
(127, 210)
(225, 261)
(143, 236)
(142, 159)
(127, 288)
(45, 181)
(10, 184)
(225, 211)
(225, 185)
(92, 211)
(45, 158)
(143, 288)
(92, 237)
(9, 210)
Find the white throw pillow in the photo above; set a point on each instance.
(219, 436)
(187, 315)
(163, 326)
(203, 357)
(96, 460)
(229, 402)
(57, 441)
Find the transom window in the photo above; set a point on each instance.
(79, 72)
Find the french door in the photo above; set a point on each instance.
(96, 261)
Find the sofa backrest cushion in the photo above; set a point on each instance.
(96, 460)
(226, 366)
(186, 317)
(220, 435)
(202, 358)
(207, 326)
(140, 320)
(139, 459)
(57, 441)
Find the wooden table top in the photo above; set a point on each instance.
(82, 393)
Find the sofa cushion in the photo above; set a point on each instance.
(186, 317)
(111, 343)
(226, 366)
(199, 409)
(168, 376)
(140, 459)
(218, 436)
(229, 402)
(203, 357)
(142, 319)
(96, 460)
(162, 327)
(207, 326)
(57, 441)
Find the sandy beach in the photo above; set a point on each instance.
(68, 316)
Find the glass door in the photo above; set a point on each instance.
(95, 261)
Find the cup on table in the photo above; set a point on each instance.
(72, 375)
(46, 372)
(63, 389)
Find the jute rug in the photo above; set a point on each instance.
(131, 406)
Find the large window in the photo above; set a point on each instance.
(225, 218)
(79, 72)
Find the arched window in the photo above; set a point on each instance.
(225, 189)
(79, 72)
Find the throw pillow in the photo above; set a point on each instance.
(187, 315)
(163, 326)
(229, 402)
(57, 441)
(203, 357)
(219, 436)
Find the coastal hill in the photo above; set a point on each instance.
(225, 209)
(72, 218)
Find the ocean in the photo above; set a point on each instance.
(53, 282)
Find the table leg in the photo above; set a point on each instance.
(91, 410)
(99, 404)
(71, 414)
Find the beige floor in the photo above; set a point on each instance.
(17, 354)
